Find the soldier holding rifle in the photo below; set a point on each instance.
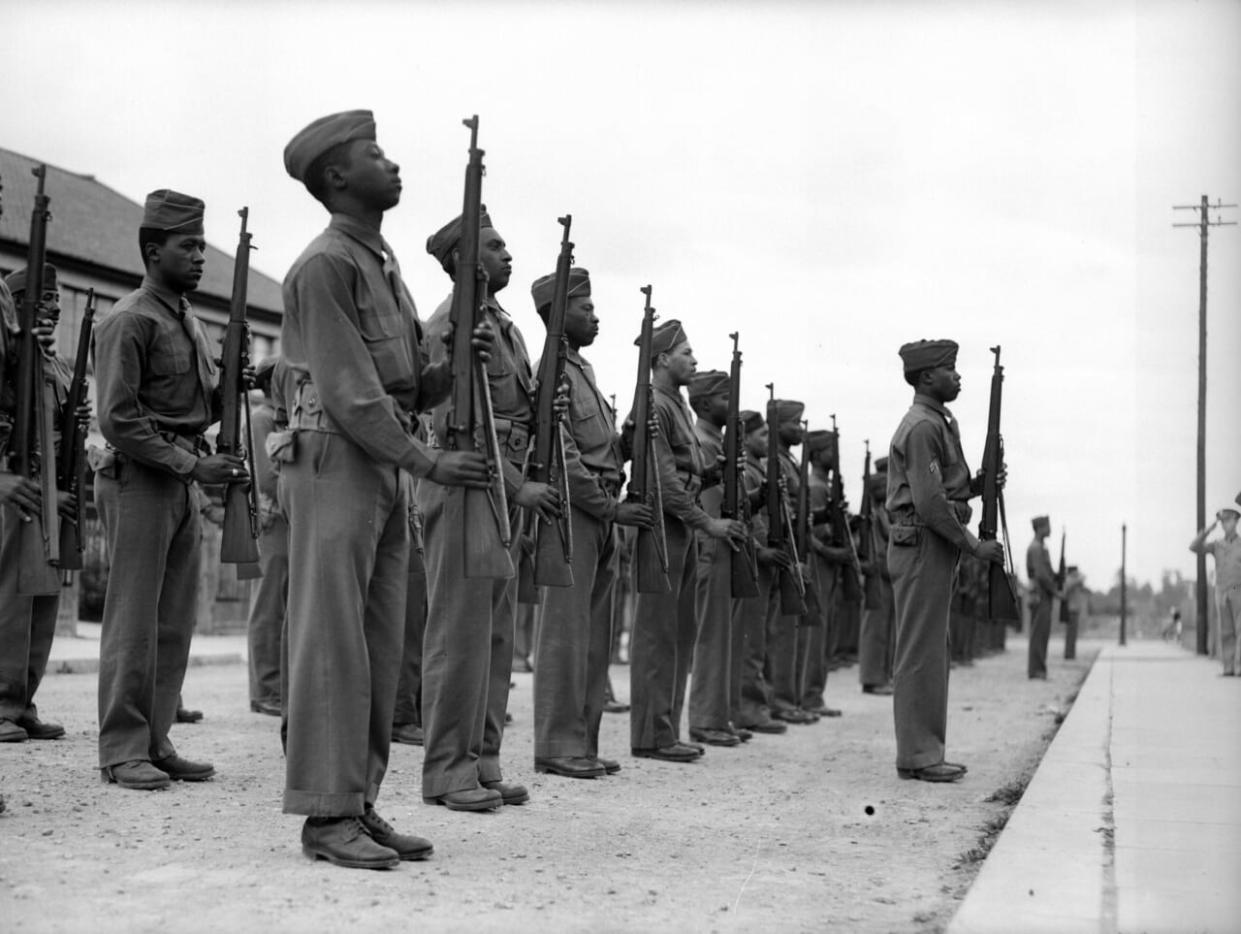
(575, 623)
(929, 488)
(665, 624)
(27, 620)
(354, 374)
(157, 389)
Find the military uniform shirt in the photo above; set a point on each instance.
(592, 446)
(1038, 568)
(353, 347)
(154, 375)
(679, 459)
(1227, 562)
(711, 443)
(755, 481)
(927, 473)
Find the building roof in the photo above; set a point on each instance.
(96, 225)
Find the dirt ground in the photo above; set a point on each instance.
(809, 831)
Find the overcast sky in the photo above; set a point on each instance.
(828, 179)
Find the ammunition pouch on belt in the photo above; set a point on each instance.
(514, 439)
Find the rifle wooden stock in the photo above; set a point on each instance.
(471, 420)
(1001, 599)
(553, 541)
(736, 504)
(781, 533)
(650, 553)
(239, 536)
(71, 467)
(34, 429)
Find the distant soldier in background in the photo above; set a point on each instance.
(709, 718)
(156, 381)
(876, 639)
(1042, 594)
(1227, 552)
(816, 639)
(27, 622)
(1075, 609)
(929, 488)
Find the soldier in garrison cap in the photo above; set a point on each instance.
(356, 375)
(709, 715)
(665, 625)
(1227, 552)
(876, 632)
(468, 647)
(751, 698)
(1043, 593)
(574, 643)
(929, 488)
(27, 620)
(157, 391)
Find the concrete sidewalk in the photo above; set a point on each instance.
(80, 653)
(1132, 822)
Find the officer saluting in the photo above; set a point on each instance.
(929, 488)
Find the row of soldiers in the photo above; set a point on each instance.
(374, 502)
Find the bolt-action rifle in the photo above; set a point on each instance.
(33, 428)
(239, 537)
(71, 463)
(651, 547)
(1062, 576)
(781, 534)
(471, 420)
(553, 541)
(1001, 599)
(814, 606)
(842, 535)
(736, 504)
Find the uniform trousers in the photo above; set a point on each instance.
(750, 618)
(1040, 633)
(268, 603)
(574, 646)
(27, 627)
(1070, 635)
(922, 580)
(781, 670)
(152, 526)
(712, 663)
(662, 644)
(1228, 603)
(875, 638)
(814, 636)
(467, 652)
(408, 710)
(349, 560)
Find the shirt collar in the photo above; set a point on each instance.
(369, 237)
(933, 404)
(166, 296)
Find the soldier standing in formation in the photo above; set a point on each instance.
(574, 644)
(929, 488)
(1042, 595)
(27, 620)
(816, 639)
(157, 389)
(877, 637)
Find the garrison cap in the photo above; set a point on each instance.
(1039, 522)
(543, 287)
(1229, 508)
(819, 440)
(708, 383)
(665, 337)
(321, 135)
(926, 355)
(441, 243)
(752, 421)
(788, 409)
(881, 465)
(16, 281)
(173, 212)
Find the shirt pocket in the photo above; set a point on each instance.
(169, 357)
(388, 341)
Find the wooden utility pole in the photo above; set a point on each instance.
(1204, 224)
(1123, 585)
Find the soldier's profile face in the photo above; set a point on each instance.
(944, 383)
(756, 441)
(1228, 522)
(49, 305)
(371, 176)
(681, 363)
(178, 262)
(497, 261)
(790, 431)
(581, 326)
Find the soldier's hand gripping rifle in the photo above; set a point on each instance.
(736, 503)
(1001, 599)
(71, 463)
(239, 537)
(842, 535)
(471, 420)
(33, 429)
(553, 548)
(651, 547)
(780, 535)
